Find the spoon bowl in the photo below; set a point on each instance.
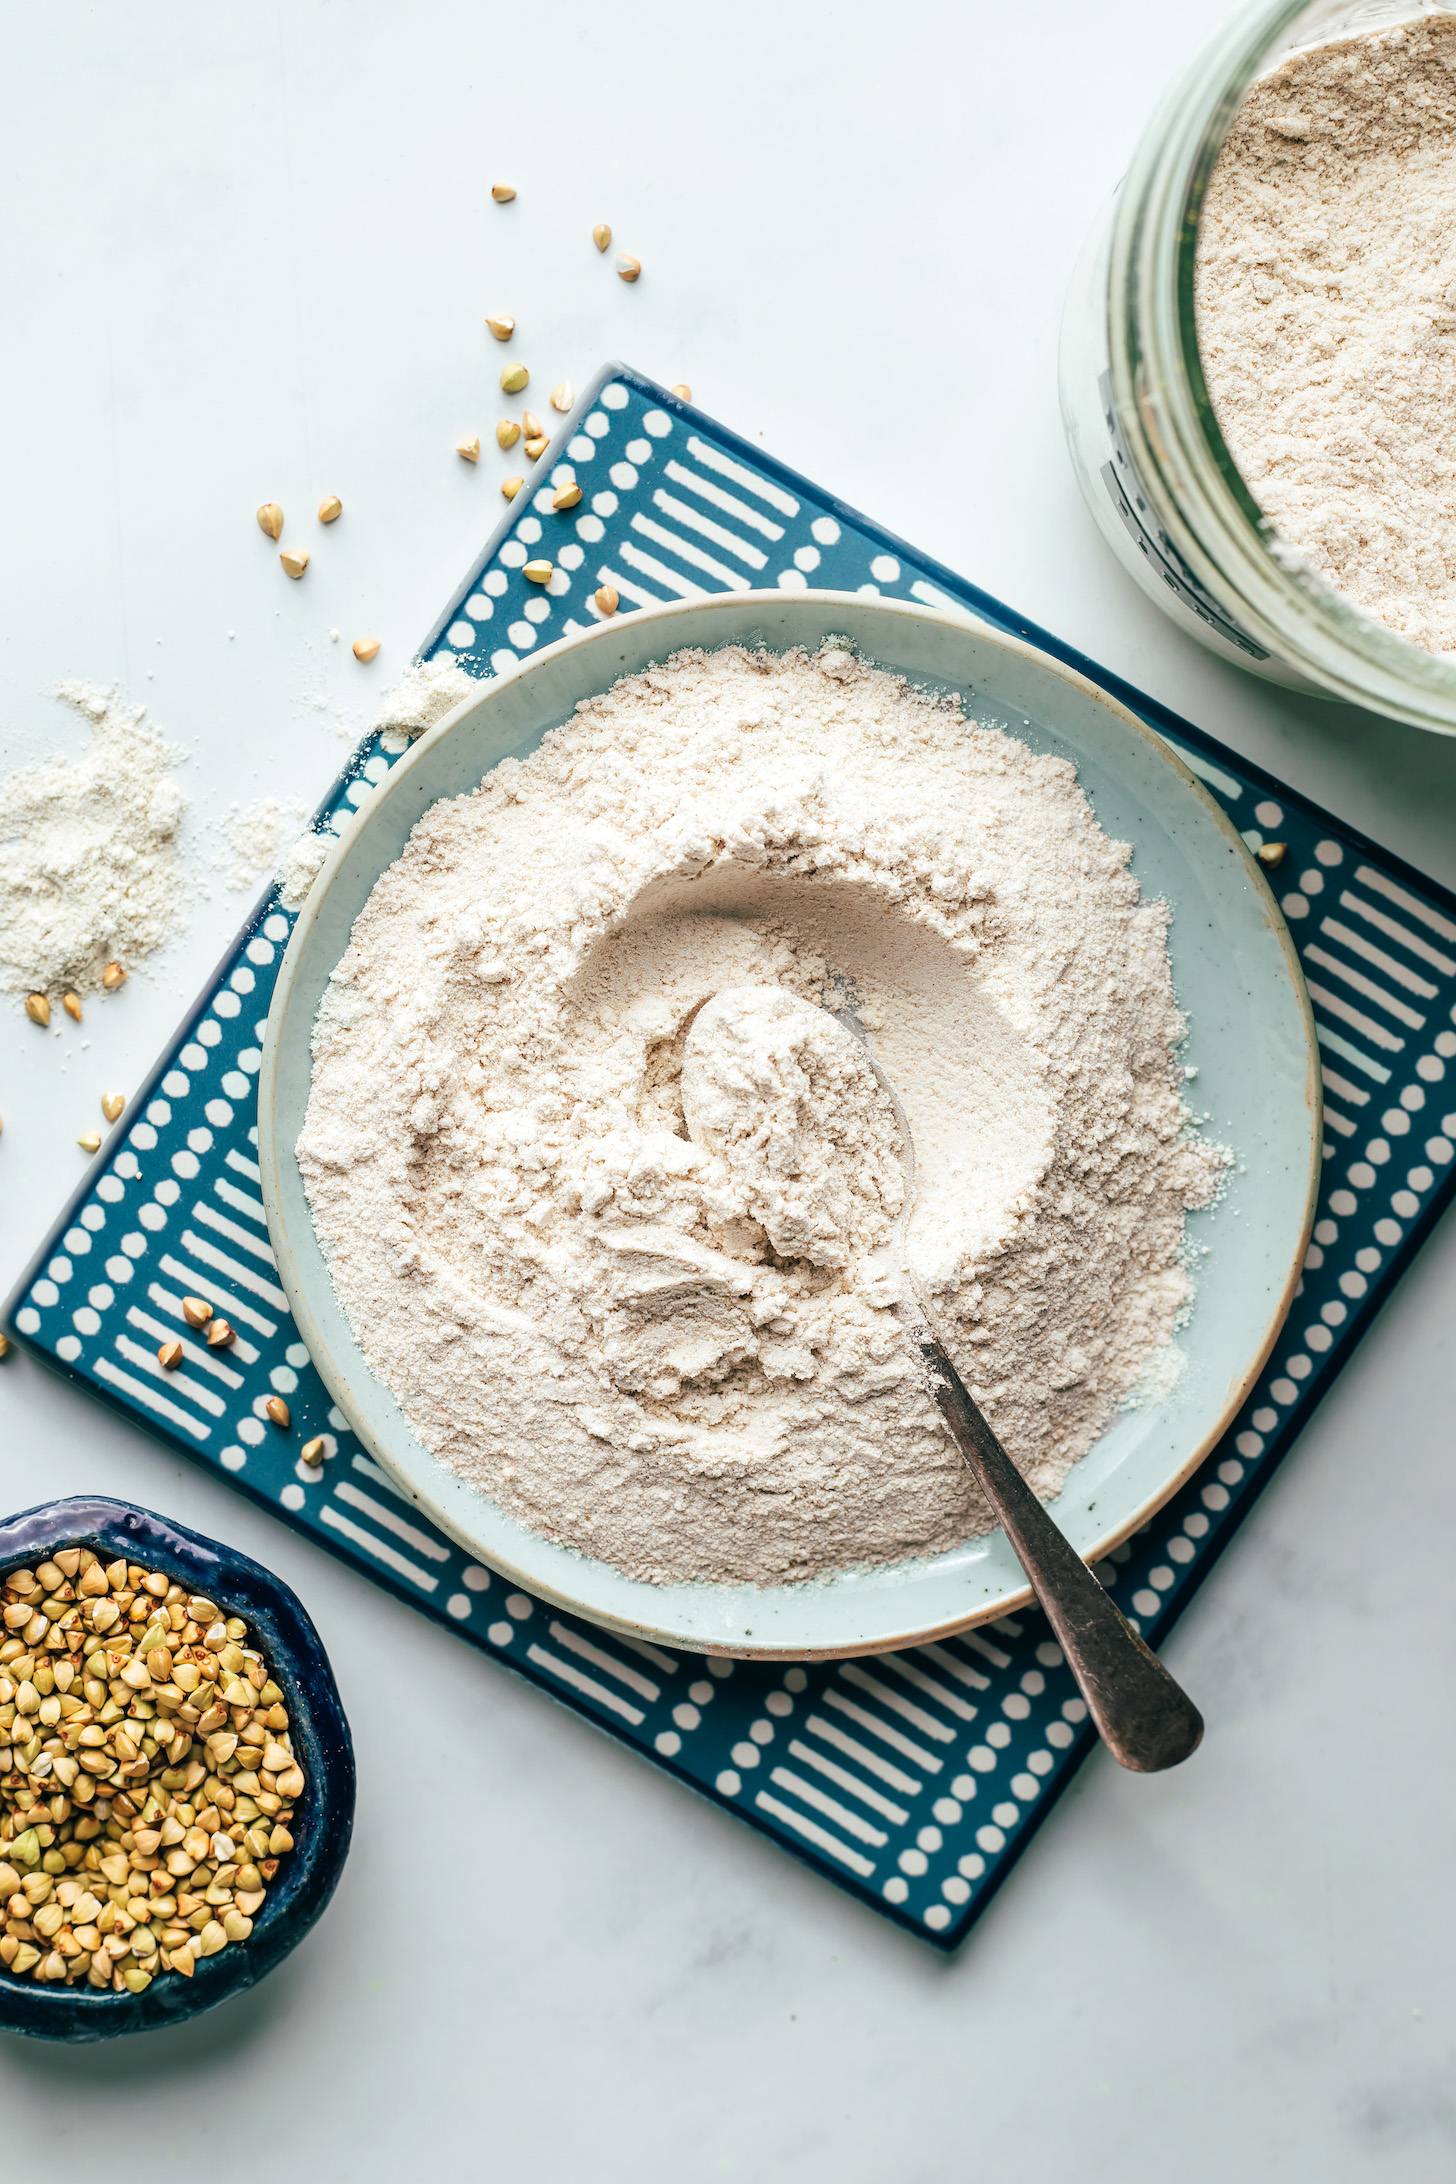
(1144, 1718)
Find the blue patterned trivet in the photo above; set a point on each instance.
(914, 1779)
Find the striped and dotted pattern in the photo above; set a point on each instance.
(667, 512)
(913, 1779)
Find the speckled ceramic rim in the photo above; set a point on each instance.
(325, 1815)
(1251, 1029)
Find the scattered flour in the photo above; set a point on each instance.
(253, 837)
(598, 1190)
(88, 852)
(301, 867)
(1159, 1377)
(1326, 299)
(424, 694)
(89, 870)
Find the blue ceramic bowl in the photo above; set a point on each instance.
(324, 1820)
(1252, 1041)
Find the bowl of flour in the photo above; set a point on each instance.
(579, 1195)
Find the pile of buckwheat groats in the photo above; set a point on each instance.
(147, 1776)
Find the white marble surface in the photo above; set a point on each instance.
(246, 255)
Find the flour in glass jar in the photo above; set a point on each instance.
(600, 1186)
(1326, 298)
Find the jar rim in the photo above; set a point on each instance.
(1167, 413)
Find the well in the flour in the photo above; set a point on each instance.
(601, 1189)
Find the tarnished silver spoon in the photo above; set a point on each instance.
(1144, 1718)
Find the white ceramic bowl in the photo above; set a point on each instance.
(1252, 1040)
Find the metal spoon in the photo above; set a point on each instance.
(1144, 1718)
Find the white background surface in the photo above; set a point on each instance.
(246, 256)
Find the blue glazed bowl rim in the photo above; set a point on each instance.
(320, 1730)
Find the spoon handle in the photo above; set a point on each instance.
(1145, 1719)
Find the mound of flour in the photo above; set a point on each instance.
(88, 852)
(599, 1193)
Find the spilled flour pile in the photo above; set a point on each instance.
(88, 852)
(599, 1189)
(89, 864)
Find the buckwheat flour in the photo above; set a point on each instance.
(88, 852)
(598, 1190)
(1326, 301)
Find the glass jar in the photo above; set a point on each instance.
(1161, 485)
